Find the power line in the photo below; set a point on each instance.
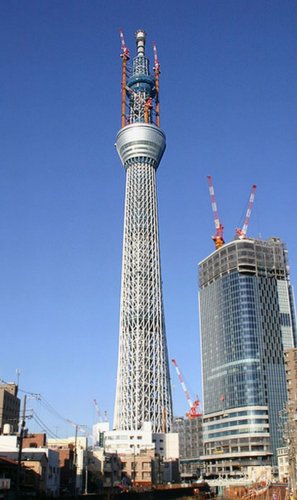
(47, 406)
(42, 425)
(43, 402)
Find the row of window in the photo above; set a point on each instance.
(236, 422)
(251, 430)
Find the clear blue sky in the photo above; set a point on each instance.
(229, 109)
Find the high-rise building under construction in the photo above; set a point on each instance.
(247, 321)
(143, 391)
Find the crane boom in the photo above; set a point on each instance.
(125, 50)
(156, 60)
(125, 55)
(97, 409)
(157, 73)
(194, 406)
(182, 383)
(241, 233)
(218, 238)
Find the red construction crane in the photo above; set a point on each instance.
(125, 51)
(97, 409)
(218, 237)
(157, 73)
(104, 419)
(241, 233)
(194, 406)
(125, 55)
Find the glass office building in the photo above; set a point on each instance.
(247, 321)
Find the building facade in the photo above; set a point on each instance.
(39, 458)
(143, 391)
(291, 378)
(9, 407)
(72, 452)
(283, 464)
(190, 446)
(247, 321)
(290, 428)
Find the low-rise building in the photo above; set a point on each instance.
(166, 445)
(283, 464)
(137, 468)
(291, 411)
(42, 461)
(140, 451)
(125, 442)
(9, 407)
(78, 445)
(98, 432)
(67, 469)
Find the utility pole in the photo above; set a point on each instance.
(22, 431)
(87, 472)
(75, 459)
(134, 465)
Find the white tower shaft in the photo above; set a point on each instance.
(143, 392)
(143, 385)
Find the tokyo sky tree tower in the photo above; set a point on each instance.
(143, 385)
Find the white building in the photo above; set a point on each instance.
(167, 445)
(129, 441)
(283, 464)
(98, 431)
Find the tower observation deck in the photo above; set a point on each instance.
(143, 385)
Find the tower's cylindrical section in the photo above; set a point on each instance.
(139, 141)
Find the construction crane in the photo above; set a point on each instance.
(148, 103)
(104, 419)
(194, 406)
(125, 50)
(241, 233)
(157, 73)
(125, 55)
(97, 409)
(218, 237)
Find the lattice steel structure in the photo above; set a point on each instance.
(143, 384)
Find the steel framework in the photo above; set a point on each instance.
(143, 384)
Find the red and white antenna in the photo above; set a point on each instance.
(241, 233)
(193, 413)
(218, 238)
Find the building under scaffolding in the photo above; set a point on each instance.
(190, 446)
